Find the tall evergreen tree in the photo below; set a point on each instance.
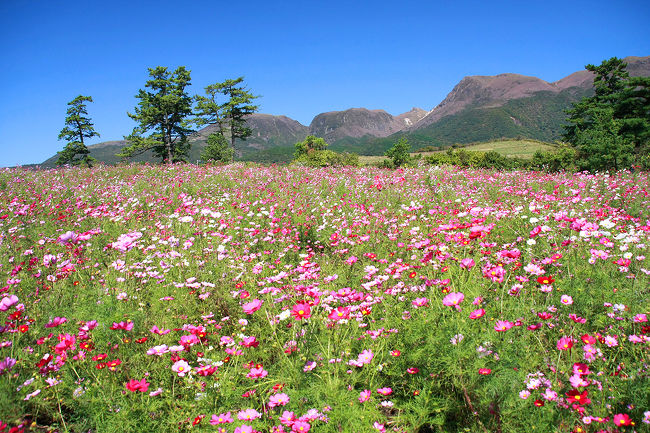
(229, 116)
(162, 115)
(611, 128)
(77, 127)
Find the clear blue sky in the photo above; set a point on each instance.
(303, 57)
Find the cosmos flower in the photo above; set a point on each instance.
(301, 311)
(453, 299)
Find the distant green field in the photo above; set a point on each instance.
(511, 148)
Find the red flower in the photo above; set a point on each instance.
(413, 370)
(484, 371)
(137, 385)
(112, 365)
(622, 419)
(575, 396)
(301, 311)
(100, 357)
(588, 339)
(395, 353)
(539, 403)
(546, 280)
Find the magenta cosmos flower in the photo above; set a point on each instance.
(477, 314)
(278, 400)
(181, 367)
(301, 311)
(385, 391)
(224, 418)
(503, 325)
(564, 343)
(453, 299)
(253, 306)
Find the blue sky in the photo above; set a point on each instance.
(303, 58)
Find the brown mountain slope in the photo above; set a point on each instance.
(494, 91)
(359, 122)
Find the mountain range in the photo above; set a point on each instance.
(479, 108)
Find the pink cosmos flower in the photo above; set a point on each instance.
(224, 418)
(137, 385)
(248, 415)
(385, 391)
(566, 300)
(364, 395)
(287, 418)
(155, 330)
(301, 311)
(181, 367)
(56, 322)
(641, 318)
(127, 326)
(158, 350)
(250, 342)
(365, 357)
(300, 427)
(189, 340)
(278, 400)
(257, 373)
(611, 341)
(253, 306)
(7, 302)
(467, 263)
(339, 313)
(66, 342)
(621, 419)
(420, 302)
(244, 428)
(495, 274)
(503, 325)
(477, 314)
(453, 299)
(68, 238)
(564, 343)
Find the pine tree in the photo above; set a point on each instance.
(162, 113)
(611, 128)
(77, 127)
(229, 116)
(217, 150)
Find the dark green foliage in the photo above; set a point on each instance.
(77, 127)
(310, 144)
(312, 152)
(562, 159)
(327, 158)
(217, 149)
(230, 116)
(602, 146)
(162, 113)
(399, 153)
(611, 129)
(488, 160)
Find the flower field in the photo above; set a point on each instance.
(282, 299)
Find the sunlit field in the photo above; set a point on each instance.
(282, 299)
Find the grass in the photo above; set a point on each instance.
(524, 149)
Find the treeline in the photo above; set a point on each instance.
(563, 159)
(166, 116)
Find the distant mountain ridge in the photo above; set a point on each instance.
(478, 108)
